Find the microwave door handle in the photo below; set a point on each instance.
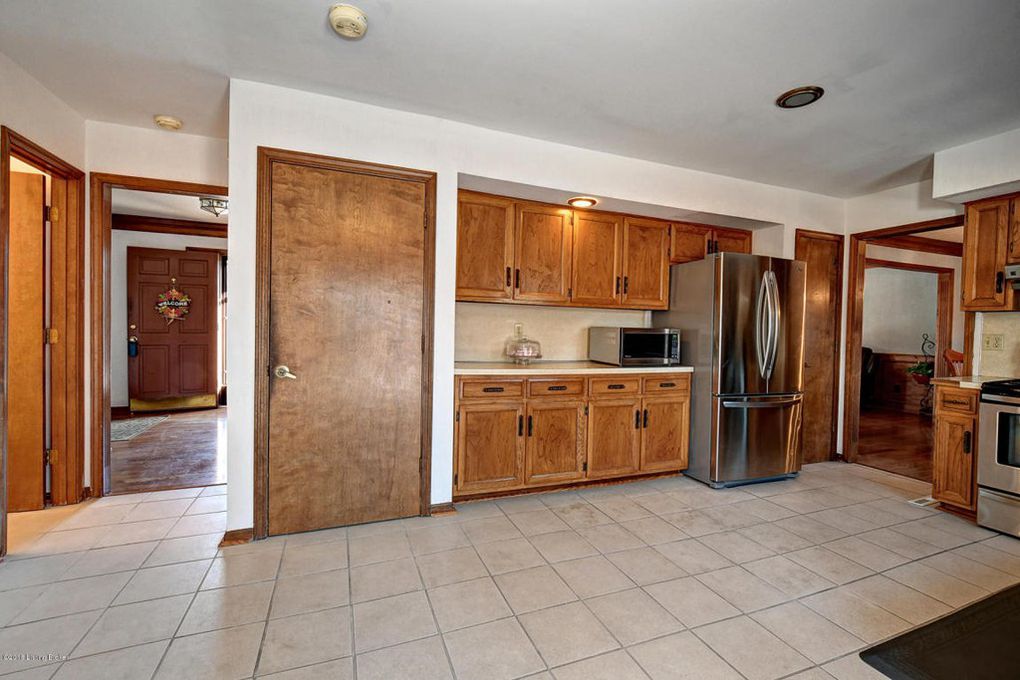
(759, 328)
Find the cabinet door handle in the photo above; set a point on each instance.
(557, 388)
(637, 420)
(509, 280)
(517, 279)
(617, 285)
(520, 426)
(667, 384)
(531, 426)
(492, 389)
(626, 284)
(615, 386)
(646, 418)
(999, 279)
(966, 441)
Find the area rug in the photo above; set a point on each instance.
(129, 428)
(978, 642)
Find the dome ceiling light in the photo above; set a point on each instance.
(799, 96)
(582, 202)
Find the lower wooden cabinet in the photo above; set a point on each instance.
(955, 453)
(554, 437)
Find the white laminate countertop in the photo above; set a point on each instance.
(558, 368)
(973, 382)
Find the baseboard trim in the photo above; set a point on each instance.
(237, 537)
(442, 509)
(584, 484)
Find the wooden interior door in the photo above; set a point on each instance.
(953, 461)
(614, 437)
(554, 449)
(689, 242)
(985, 239)
(26, 287)
(732, 241)
(485, 247)
(175, 366)
(645, 263)
(490, 446)
(542, 250)
(596, 279)
(665, 432)
(823, 254)
(348, 284)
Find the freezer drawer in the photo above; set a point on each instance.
(999, 511)
(756, 437)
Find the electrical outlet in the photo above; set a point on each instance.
(992, 342)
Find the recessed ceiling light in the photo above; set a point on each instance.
(348, 21)
(799, 96)
(582, 202)
(167, 122)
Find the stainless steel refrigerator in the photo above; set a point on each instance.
(741, 319)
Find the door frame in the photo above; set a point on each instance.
(857, 254)
(101, 219)
(267, 156)
(838, 239)
(67, 474)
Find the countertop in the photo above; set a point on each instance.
(973, 382)
(557, 368)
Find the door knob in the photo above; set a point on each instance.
(282, 371)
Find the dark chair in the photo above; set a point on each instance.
(869, 370)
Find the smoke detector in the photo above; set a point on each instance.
(348, 21)
(167, 122)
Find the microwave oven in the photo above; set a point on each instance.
(634, 346)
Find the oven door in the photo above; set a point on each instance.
(999, 444)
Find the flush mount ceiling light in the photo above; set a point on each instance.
(164, 122)
(799, 96)
(582, 202)
(348, 21)
(216, 206)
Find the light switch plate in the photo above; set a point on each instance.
(992, 342)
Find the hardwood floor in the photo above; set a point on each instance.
(185, 450)
(896, 442)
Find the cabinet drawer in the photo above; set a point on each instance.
(956, 400)
(668, 383)
(491, 388)
(610, 386)
(556, 387)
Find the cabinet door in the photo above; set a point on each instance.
(732, 241)
(985, 242)
(665, 432)
(689, 242)
(542, 249)
(485, 247)
(490, 447)
(555, 442)
(614, 437)
(953, 460)
(645, 263)
(1013, 255)
(596, 279)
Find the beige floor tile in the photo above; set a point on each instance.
(997, 559)
(736, 547)
(391, 621)
(619, 508)
(632, 616)
(489, 529)
(36, 571)
(499, 650)
(337, 669)
(616, 665)
(515, 554)
(469, 603)
(479, 509)
(158, 510)
(215, 655)
(682, 657)
(911, 548)
(691, 602)
(321, 535)
(692, 556)
(237, 569)
(937, 584)
(535, 522)
(958, 526)
(775, 537)
(592, 576)
(844, 521)
(858, 616)
(662, 504)
(808, 632)
(155, 582)
(451, 566)
(437, 539)
(852, 668)
(610, 538)
(742, 589)
(134, 624)
(206, 504)
(306, 639)
(751, 649)
(109, 560)
(194, 525)
(811, 674)
(184, 549)
(654, 530)
(517, 504)
(172, 494)
(788, 576)
(41, 638)
(566, 633)
(303, 594)
(228, 607)
(559, 498)
(71, 597)
(533, 589)
(13, 602)
(971, 571)
(136, 532)
(873, 514)
(929, 534)
(695, 523)
(1004, 543)
(374, 549)
(829, 565)
(864, 552)
(58, 542)
(904, 602)
(581, 514)
(133, 662)
(644, 566)
(309, 558)
(563, 545)
(765, 510)
(420, 659)
(384, 579)
(810, 530)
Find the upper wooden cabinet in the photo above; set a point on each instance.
(645, 263)
(485, 247)
(987, 246)
(596, 278)
(542, 253)
(691, 242)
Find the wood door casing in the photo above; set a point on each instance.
(554, 448)
(986, 242)
(952, 465)
(823, 254)
(645, 263)
(349, 283)
(26, 410)
(596, 262)
(542, 252)
(614, 437)
(175, 360)
(665, 422)
(490, 446)
(485, 247)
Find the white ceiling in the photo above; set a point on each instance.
(685, 82)
(151, 204)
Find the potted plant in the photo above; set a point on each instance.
(922, 372)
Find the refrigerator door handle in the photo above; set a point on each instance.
(775, 322)
(760, 346)
(737, 403)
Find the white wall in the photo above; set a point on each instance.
(273, 116)
(987, 167)
(900, 307)
(120, 242)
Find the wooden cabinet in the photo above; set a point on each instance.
(1013, 251)
(645, 263)
(542, 254)
(986, 248)
(955, 453)
(596, 276)
(732, 241)
(519, 433)
(485, 247)
(689, 242)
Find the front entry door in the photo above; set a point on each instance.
(173, 361)
(348, 376)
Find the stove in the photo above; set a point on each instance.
(998, 463)
(1002, 388)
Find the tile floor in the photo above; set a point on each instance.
(661, 579)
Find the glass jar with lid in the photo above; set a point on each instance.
(521, 349)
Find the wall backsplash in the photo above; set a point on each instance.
(482, 329)
(1005, 363)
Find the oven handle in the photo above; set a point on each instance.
(1001, 400)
